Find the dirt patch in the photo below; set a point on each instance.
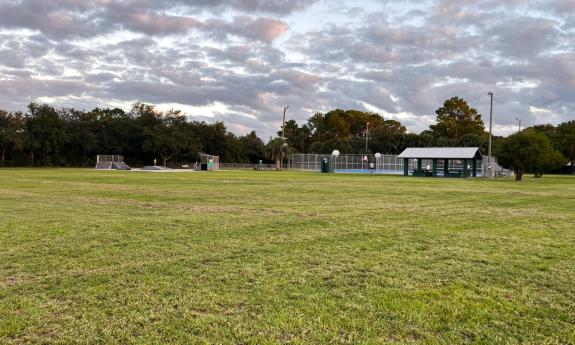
(13, 281)
(244, 210)
(13, 192)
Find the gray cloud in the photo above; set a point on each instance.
(403, 58)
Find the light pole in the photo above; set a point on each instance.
(366, 136)
(335, 154)
(519, 122)
(490, 163)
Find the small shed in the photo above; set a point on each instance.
(440, 158)
(208, 162)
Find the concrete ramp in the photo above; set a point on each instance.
(103, 166)
(155, 168)
(111, 162)
(120, 166)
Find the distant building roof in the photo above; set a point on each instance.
(441, 152)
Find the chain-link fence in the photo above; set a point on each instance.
(498, 170)
(245, 166)
(385, 164)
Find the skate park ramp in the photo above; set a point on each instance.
(111, 162)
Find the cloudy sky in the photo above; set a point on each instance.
(241, 61)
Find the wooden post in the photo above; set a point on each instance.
(465, 168)
(419, 163)
(434, 171)
(445, 167)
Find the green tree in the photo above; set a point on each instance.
(456, 119)
(328, 146)
(275, 151)
(547, 129)
(253, 148)
(297, 138)
(553, 160)
(83, 140)
(472, 140)
(565, 140)
(167, 135)
(12, 133)
(527, 151)
(347, 128)
(385, 137)
(318, 128)
(47, 135)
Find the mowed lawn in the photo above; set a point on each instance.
(284, 257)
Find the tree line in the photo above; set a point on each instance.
(46, 136)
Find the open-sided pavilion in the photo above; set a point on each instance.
(442, 155)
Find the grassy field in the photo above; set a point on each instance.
(278, 257)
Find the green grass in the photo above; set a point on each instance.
(267, 257)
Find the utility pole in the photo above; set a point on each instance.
(366, 136)
(519, 122)
(490, 163)
(284, 123)
(283, 137)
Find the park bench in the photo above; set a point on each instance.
(422, 173)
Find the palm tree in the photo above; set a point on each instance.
(275, 151)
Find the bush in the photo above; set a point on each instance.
(528, 151)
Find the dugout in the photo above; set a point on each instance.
(439, 161)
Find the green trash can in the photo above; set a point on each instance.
(326, 166)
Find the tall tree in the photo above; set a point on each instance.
(386, 137)
(166, 134)
(275, 150)
(547, 129)
(318, 128)
(12, 131)
(565, 140)
(83, 140)
(252, 147)
(298, 138)
(47, 135)
(456, 119)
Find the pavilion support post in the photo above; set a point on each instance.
(406, 167)
(474, 171)
(445, 167)
(434, 171)
(465, 168)
(419, 162)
